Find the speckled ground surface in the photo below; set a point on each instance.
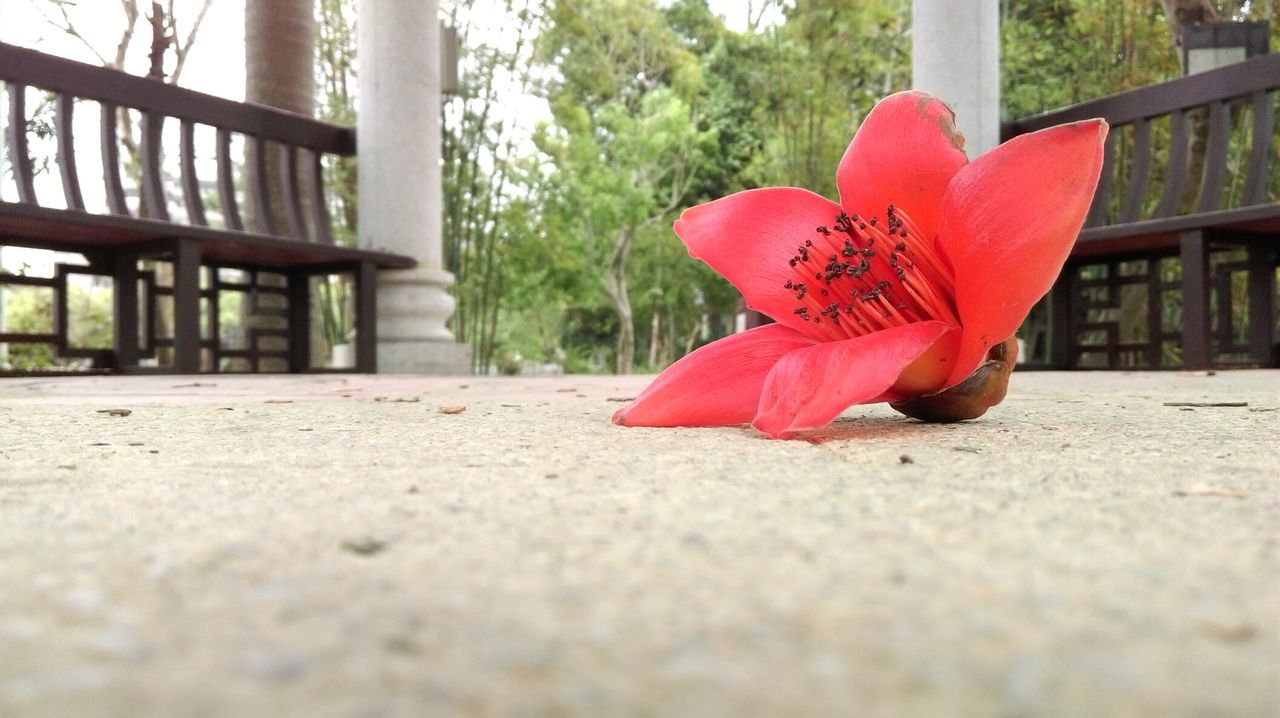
(338, 546)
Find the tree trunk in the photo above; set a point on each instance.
(615, 285)
(279, 49)
(655, 338)
(1181, 13)
(1187, 12)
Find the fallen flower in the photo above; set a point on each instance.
(908, 291)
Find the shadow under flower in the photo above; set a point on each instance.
(871, 427)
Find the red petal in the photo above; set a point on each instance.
(717, 385)
(1009, 220)
(748, 238)
(810, 387)
(905, 153)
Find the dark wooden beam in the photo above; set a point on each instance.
(125, 320)
(299, 322)
(186, 306)
(1262, 299)
(1196, 349)
(367, 318)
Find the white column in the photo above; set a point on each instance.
(955, 54)
(398, 138)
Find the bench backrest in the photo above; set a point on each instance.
(1155, 167)
(302, 142)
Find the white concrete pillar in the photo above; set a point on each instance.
(955, 54)
(398, 138)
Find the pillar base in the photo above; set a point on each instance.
(413, 305)
(424, 356)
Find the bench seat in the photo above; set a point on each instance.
(77, 231)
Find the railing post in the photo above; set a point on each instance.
(367, 318)
(1060, 334)
(1262, 290)
(125, 323)
(186, 306)
(299, 321)
(1196, 348)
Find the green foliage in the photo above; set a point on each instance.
(29, 310)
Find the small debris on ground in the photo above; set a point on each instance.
(905, 459)
(278, 401)
(115, 412)
(193, 384)
(407, 400)
(621, 398)
(1260, 409)
(1231, 632)
(1207, 490)
(967, 449)
(69, 467)
(1206, 404)
(566, 390)
(364, 545)
(412, 490)
(456, 409)
(225, 408)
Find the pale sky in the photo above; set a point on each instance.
(221, 36)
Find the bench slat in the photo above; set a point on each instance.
(1215, 164)
(227, 183)
(289, 182)
(63, 113)
(263, 222)
(1176, 173)
(1139, 172)
(319, 209)
(190, 182)
(19, 157)
(1255, 184)
(1102, 198)
(110, 144)
(153, 200)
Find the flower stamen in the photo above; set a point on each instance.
(875, 276)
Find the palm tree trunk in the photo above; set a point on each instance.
(279, 49)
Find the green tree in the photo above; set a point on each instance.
(625, 141)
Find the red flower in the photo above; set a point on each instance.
(928, 263)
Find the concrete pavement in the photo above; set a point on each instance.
(340, 546)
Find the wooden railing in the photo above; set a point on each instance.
(1188, 172)
(302, 142)
(1151, 139)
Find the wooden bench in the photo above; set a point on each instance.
(198, 249)
(1174, 232)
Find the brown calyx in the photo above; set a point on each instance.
(972, 397)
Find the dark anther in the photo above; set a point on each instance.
(787, 285)
(901, 247)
